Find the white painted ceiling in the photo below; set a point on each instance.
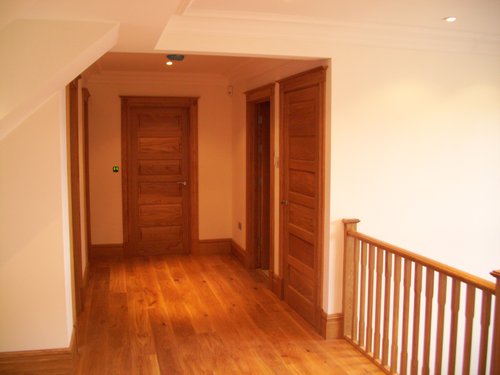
(482, 16)
(142, 21)
(227, 66)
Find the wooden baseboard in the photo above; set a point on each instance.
(106, 251)
(215, 246)
(277, 286)
(238, 252)
(40, 362)
(332, 325)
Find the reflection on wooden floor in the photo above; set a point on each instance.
(198, 315)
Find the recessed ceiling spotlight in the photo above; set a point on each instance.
(450, 19)
(172, 57)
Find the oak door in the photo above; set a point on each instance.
(158, 178)
(302, 192)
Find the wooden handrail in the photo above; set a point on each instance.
(427, 262)
(378, 293)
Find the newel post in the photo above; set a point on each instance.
(495, 354)
(350, 225)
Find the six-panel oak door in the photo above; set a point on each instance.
(158, 177)
(302, 192)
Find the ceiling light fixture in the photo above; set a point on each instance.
(450, 19)
(172, 58)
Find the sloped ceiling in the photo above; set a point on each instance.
(40, 57)
(141, 22)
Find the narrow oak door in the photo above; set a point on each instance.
(302, 192)
(158, 178)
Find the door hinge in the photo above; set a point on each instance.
(259, 120)
(259, 149)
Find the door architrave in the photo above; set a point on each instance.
(75, 205)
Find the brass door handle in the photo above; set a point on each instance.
(182, 183)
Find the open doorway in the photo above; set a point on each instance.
(262, 182)
(260, 177)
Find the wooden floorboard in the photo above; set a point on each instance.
(198, 315)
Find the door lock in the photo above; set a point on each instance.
(284, 202)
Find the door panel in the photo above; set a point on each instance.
(157, 147)
(302, 182)
(160, 167)
(302, 192)
(159, 188)
(301, 250)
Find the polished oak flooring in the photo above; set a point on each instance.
(198, 315)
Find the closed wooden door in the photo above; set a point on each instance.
(158, 177)
(302, 192)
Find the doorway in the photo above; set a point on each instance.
(262, 182)
(260, 177)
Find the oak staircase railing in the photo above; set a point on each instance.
(387, 318)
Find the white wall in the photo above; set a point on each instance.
(35, 302)
(39, 57)
(214, 148)
(416, 154)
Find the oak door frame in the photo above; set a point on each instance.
(73, 144)
(86, 148)
(303, 80)
(253, 98)
(190, 103)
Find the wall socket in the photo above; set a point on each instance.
(239, 225)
